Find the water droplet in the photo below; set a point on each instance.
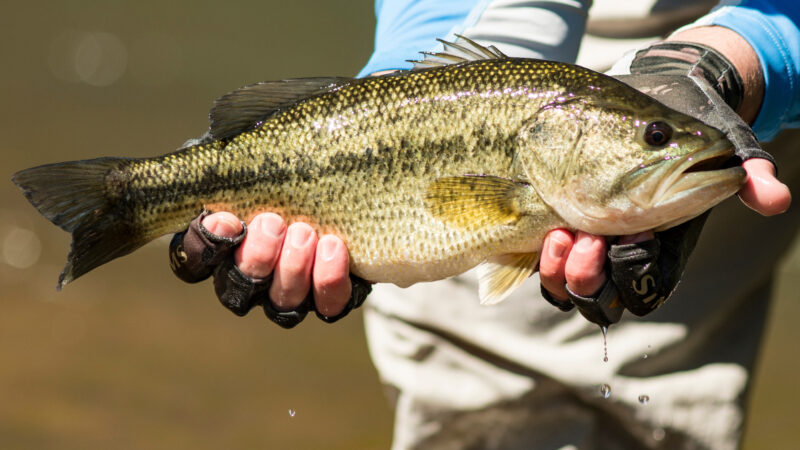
(644, 356)
(644, 399)
(659, 434)
(605, 343)
(605, 390)
(292, 412)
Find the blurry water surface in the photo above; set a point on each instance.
(129, 357)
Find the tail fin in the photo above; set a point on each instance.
(82, 197)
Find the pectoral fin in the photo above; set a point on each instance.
(474, 201)
(499, 275)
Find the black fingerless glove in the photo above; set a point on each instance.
(195, 253)
(646, 273)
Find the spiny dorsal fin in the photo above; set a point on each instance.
(240, 110)
(463, 50)
(499, 275)
(474, 201)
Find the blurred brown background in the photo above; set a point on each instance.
(129, 357)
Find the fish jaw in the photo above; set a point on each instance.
(673, 191)
(661, 193)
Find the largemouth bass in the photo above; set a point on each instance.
(468, 159)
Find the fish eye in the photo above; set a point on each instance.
(657, 134)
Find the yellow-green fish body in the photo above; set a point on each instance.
(424, 174)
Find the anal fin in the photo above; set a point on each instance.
(500, 275)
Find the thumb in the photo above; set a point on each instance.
(763, 192)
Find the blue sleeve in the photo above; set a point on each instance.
(406, 27)
(544, 29)
(771, 28)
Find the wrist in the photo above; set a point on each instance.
(740, 55)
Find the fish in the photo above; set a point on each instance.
(467, 160)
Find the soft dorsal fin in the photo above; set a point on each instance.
(240, 110)
(463, 50)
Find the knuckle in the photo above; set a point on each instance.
(331, 310)
(288, 298)
(261, 258)
(256, 261)
(332, 303)
(294, 268)
(330, 280)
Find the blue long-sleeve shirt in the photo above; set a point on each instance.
(406, 27)
(771, 28)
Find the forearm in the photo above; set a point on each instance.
(770, 29)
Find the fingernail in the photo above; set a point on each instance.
(585, 242)
(222, 225)
(328, 248)
(556, 249)
(300, 236)
(272, 225)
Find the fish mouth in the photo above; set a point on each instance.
(681, 188)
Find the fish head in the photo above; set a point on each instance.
(625, 163)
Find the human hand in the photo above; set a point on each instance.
(646, 267)
(287, 270)
(579, 260)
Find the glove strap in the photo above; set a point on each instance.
(603, 308)
(689, 58)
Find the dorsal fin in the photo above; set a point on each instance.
(462, 50)
(240, 110)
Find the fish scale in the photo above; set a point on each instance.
(423, 174)
(326, 166)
